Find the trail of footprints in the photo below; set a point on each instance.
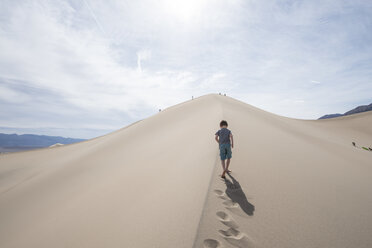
(232, 235)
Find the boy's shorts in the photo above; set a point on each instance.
(225, 151)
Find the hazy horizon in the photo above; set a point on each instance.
(79, 133)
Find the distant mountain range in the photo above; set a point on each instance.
(359, 109)
(15, 142)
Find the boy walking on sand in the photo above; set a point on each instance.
(225, 140)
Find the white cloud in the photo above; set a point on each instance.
(12, 96)
(142, 55)
(118, 61)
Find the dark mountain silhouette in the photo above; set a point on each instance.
(359, 109)
(15, 142)
(330, 116)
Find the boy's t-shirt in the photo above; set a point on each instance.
(224, 135)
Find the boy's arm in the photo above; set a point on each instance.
(232, 140)
(216, 138)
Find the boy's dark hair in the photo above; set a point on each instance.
(223, 123)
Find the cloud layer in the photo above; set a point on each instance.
(100, 65)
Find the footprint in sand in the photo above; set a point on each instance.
(234, 208)
(226, 220)
(229, 232)
(236, 238)
(211, 243)
(220, 194)
(230, 204)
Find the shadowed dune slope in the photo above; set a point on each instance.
(155, 183)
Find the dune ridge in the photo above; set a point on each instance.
(294, 183)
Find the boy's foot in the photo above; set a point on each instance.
(223, 176)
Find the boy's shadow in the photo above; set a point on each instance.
(236, 194)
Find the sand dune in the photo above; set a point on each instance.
(156, 183)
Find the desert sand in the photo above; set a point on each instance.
(294, 183)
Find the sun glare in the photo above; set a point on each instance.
(184, 10)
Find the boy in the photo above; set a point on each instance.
(223, 138)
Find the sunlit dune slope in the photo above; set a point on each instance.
(155, 183)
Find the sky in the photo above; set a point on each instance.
(84, 68)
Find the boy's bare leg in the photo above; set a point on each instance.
(227, 165)
(223, 168)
